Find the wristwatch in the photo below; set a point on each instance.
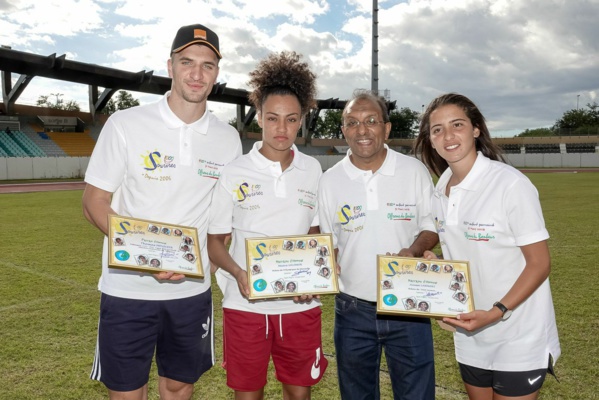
(506, 313)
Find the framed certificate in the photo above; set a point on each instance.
(423, 288)
(150, 246)
(291, 266)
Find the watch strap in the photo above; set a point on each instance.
(503, 308)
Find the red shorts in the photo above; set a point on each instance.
(293, 340)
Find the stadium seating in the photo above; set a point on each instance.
(580, 147)
(11, 146)
(542, 148)
(29, 145)
(74, 144)
(510, 148)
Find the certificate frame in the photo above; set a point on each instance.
(290, 266)
(423, 288)
(149, 246)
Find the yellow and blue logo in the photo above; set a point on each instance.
(347, 214)
(245, 191)
(154, 160)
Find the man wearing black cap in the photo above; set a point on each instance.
(145, 162)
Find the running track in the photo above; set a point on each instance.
(40, 187)
(51, 186)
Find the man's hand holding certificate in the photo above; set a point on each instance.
(154, 247)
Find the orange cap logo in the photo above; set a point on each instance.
(199, 34)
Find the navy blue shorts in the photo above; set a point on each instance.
(506, 383)
(130, 331)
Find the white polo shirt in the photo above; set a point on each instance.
(370, 214)
(255, 198)
(161, 169)
(485, 219)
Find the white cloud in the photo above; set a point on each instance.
(295, 11)
(523, 61)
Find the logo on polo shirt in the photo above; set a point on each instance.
(399, 211)
(401, 216)
(306, 198)
(347, 214)
(246, 190)
(210, 169)
(154, 161)
(439, 225)
(478, 231)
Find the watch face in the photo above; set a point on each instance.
(507, 314)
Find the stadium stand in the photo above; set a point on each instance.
(74, 144)
(28, 145)
(12, 146)
(43, 141)
(510, 148)
(580, 148)
(542, 148)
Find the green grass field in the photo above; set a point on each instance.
(50, 264)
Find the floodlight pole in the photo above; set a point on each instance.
(577, 98)
(375, 47)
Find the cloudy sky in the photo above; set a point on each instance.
(524, 62)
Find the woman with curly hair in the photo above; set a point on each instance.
(489, 213)
(265, 193)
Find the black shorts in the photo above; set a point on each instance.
(506, 383)
(130, 331)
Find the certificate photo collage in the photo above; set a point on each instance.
(413, 286)
(148, 245)
(293, 266)
(186, 246)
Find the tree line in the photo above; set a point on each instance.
(404, 122)
(123, 101)
(575, 122)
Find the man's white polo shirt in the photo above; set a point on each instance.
(161, 169)
(370, 214)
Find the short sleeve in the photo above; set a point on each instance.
(221, 209)
(108, 163)
(524, 213)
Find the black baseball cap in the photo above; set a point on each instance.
(195, 34)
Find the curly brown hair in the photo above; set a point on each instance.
(283, 74)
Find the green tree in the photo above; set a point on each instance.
(537, 132)
(328, 126)
(58, 104)
(123, 101)
(404, 123)
(254, 127)
(581, 118)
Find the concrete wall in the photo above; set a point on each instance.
(15, 168)
(574, 160)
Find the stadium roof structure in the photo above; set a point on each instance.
(30, 65)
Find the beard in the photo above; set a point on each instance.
(196, 97)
